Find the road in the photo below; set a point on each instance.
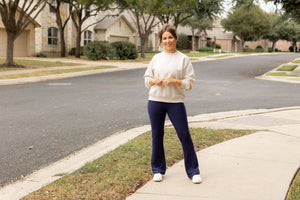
(46, 121)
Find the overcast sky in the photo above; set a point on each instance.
(269, 7)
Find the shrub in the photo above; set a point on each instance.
(218, 46)
(98, 50)
(183, 41)
(205, 49)
(208, 43)
(72, 51)
(291, 49)
(270, 49)
(41, 54)
(125, 50)
(259, 49)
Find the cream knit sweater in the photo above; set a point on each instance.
(174, 65)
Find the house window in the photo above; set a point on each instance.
(87, 37)
(52, 36)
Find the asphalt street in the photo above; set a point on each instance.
(46, 121)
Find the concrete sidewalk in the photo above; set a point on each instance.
(257, 166)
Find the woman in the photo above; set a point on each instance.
(168, 74)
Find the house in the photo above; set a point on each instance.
(231, 43)
(42, 35)
(114, 28)
(228, 41)
(198, 41)
(109, 28)
(281, 45)
(24, 45)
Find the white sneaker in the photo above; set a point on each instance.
(157, 177)
(197, 179)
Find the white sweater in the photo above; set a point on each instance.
(174, 65)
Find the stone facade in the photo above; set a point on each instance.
(24, 45)
(118, 29)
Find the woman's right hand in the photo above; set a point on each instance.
(157, 81)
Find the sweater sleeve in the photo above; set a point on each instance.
(149, 74)
(188, 75)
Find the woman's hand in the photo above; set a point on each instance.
(157, 81)
(168, 80)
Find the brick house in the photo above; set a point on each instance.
(228, 41)
(199, 40)
(281, 45)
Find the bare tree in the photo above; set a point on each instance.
(56, 5)
(16, 16)
(145, 14)
(83, 10)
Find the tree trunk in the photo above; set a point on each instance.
(62, 43)
(78, 39)
(143, 45)
(193, 40)
(10, 49)
(273, 45)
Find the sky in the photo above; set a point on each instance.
(269, 7)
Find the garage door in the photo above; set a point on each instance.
(20, 46)
(113, 38)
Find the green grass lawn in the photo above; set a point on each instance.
(122, 171)
(294, 191)
(34, 64)
(297, 61)
(51, 72)
(222, 56)
(287, 68)
(281, 74)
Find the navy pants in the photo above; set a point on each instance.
(177, 114)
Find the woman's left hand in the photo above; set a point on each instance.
(168, 80)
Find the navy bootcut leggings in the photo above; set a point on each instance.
(177, 114)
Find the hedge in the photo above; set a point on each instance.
(125, 50)
(98, 50)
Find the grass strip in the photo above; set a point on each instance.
(294, 191)
(222, 56)
(199, 54)
(281, 74)
(122, 171)
(51, 72)
(32, 64)
(296, 61)
(287, 68)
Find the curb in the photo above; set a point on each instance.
(75, 161)
(122, 68)
(288, 79)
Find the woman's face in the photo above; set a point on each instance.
(169, 42)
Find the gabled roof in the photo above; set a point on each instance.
(34, 22)
(109, 20)
(187, 31)
(220, 33)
